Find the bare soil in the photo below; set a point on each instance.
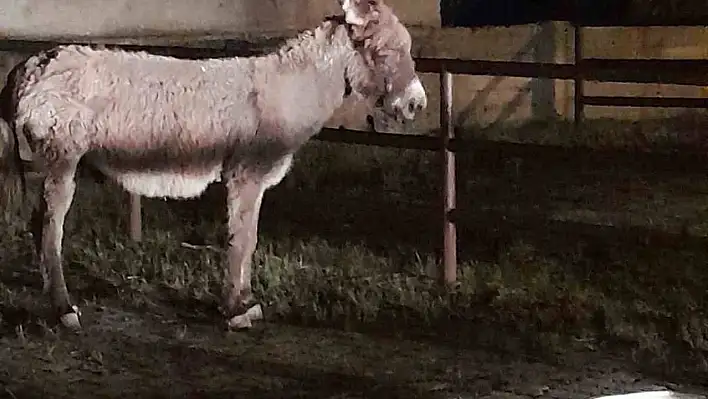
(130, 354)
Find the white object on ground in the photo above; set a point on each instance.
(245, 320)
(71, 320)
(653, 395)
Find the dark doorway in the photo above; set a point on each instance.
(516, 12)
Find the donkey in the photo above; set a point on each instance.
(167, 127)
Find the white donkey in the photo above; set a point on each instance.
(167, 127)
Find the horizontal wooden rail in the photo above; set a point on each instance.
(649, 65)
(207, 48)
(665, 102)
(688, 72)
(496, 68)
(657, 22)
(390, 140)
(490, 151)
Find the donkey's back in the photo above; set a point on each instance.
(112, 99)
(160, 126)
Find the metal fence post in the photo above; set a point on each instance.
(579, 105)
(135, 223)
(447, 132)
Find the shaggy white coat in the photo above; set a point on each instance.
(166, 127)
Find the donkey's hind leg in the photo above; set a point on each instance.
(56, 198)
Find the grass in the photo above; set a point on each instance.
(554, 256)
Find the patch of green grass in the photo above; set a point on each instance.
(321, 260)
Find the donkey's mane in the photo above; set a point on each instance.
(328, 25)
(311, 39)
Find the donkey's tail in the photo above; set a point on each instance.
(13, 182)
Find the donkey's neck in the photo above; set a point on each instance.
(304, 83)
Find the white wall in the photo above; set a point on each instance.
(106, 18)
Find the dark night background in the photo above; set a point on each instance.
(586, 12)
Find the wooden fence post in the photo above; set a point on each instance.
(579, 105)
(135, 223)
(447, 132)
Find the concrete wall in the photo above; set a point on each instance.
(110, 18)
(478, 100)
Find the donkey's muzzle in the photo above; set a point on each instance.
(412, 102)
(411, 109)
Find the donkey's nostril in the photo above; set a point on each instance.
(414, 106)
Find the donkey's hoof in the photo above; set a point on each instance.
(71, 320)
(244, 321)
(239, 322)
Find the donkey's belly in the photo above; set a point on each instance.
(164, 183)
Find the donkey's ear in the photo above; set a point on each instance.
(360, 12)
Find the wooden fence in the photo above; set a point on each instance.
(690, 72)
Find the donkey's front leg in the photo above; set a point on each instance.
(57, 195)
(244, 202)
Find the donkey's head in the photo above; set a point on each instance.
(385, 46)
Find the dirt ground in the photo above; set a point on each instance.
(604, 264)
(125, 353)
